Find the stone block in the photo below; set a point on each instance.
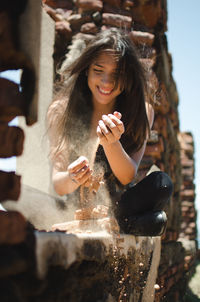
(149, 13)
(12, 103)
(107, 8)
(187, 194)
(155, 150)
(173, 115)
(113, 3)
(89, 28)
(9, 186)
(12, 227)
(67, 4)
(116, 20)
(56, 14)
(76, 20)
(11, 141)
(64, 29)
(10, 57)
(160, 125)
(128, 4)
(144, 38)
(162, 104)
(89, 5)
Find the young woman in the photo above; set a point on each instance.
(104, 103)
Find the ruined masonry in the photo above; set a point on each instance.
(47, 266)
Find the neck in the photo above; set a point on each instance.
(100, 109)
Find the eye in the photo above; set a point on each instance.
(97, 70)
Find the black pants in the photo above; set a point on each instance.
(149, 195)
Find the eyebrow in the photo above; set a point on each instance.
(101, 66)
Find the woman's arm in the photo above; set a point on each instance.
(66, 178)
(123, 166)
(67, 181)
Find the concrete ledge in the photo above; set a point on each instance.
(117, 268)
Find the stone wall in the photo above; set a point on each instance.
(167, 148)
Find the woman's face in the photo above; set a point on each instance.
(102, 76)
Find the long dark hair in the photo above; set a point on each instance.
(131, 102)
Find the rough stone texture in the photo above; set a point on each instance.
(13, 227)
(9, 186)
(12, 102)
(11, 140)
(116, 20)
(79, 268)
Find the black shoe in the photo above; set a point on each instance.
(148, 224)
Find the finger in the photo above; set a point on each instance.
(85, 177)
(82, 172)
(117, 122)
(103, 128)
(108, 122)
(99, 132)
(101, 136)
(115, 125)
(78, 164)
(118, 114)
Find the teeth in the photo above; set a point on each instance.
(104, 91)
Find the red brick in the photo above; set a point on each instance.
(52, 13)
(76, 20)
(155, 150)
(63, 28)
(12, 228)
(140, 37)
(107, 8)
(170, 282)
(128, 4)
(116, 20)
(89, 5)
(149, 13)
(174, 269)
(9, 186)
(113, 3)
(67, 4)
(89, 28)
(11, 141)
(160, 124)
(162, 104)
(12, 102)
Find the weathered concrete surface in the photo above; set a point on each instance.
(36, 40)
(124, 266)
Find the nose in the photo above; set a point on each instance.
(107, 80)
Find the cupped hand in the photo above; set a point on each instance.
(110, 128)
(79, 170)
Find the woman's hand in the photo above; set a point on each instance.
(110, 128)
(79, 171)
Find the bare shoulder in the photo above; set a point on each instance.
(150, 113)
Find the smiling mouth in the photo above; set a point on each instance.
(104, 91)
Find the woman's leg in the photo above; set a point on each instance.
(139, 210)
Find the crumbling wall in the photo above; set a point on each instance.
(15, 100)
(169, 149)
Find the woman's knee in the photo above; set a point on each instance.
(163, 184)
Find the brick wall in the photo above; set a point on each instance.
(15, 100)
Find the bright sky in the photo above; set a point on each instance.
(184, 44)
